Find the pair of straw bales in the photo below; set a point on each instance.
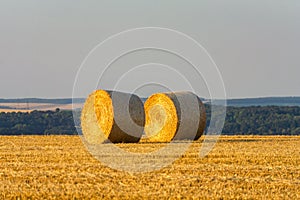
(122, 118)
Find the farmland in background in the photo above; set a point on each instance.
(29, 104)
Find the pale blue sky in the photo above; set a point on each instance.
(255, 43)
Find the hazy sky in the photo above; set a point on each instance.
(255, 43)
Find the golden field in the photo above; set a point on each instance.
(239, 167)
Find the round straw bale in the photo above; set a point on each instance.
(174, 116)
(112, 116)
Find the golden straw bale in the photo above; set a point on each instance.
(174, 116)
(112, 116)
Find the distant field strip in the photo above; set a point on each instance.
(25, 107)
(239, 167)
(13, 110)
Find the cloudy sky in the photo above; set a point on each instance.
(255, 43)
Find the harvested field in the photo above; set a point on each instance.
(59, 167)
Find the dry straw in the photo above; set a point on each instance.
(112, 116)
(164, 116)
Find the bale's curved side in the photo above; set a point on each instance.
(202, 121)
(112, 116)
(167, 120)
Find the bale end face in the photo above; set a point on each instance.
(161, 118)
(97, 117)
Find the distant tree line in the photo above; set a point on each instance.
(37, 123)
(256, 120)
